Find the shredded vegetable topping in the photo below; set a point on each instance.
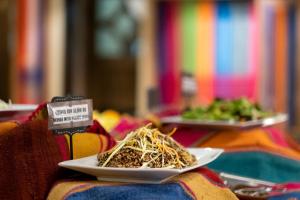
(147, 147)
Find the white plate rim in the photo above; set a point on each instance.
(19, 107)
(177, 119)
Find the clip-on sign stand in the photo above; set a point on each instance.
(69, 115)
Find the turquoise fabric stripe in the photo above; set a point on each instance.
(260, 165)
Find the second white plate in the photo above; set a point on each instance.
(16, 111)
(226, 125)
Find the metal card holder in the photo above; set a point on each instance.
(69, 128)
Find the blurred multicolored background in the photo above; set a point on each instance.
(134, 55)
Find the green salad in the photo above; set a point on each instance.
(227, 110)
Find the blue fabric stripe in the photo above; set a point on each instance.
(292, 29)
(224, 39)
(289, 196)
(134, 192)
(240, 51)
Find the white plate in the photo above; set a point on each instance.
(88, 165)
(16, 111)
(19, 108)
(178, 120)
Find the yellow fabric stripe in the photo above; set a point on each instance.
(203, 189)
(87, 144)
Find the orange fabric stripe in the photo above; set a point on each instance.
(205, 51)
(248, 139)
(281, 58)
(7, 126)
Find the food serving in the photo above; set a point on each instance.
(147, 147)
(227, 110)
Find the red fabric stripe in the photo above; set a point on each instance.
(189, 136)
(63, 147)
(189, 190)
(277, 137)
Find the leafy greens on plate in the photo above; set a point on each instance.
(227, 110)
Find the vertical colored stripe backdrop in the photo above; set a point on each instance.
(221, 44)
(28, 72)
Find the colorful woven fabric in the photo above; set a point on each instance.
(254, 139)
(199, 184)
(30, 153)
(258, 164)
(29, 156)
(256, 153)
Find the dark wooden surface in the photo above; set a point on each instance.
(4, 56)
(110, 82)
